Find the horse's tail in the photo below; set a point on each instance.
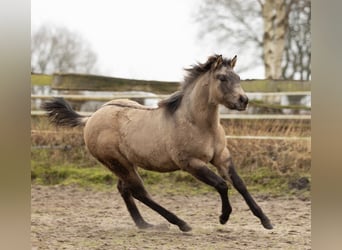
(61, 113)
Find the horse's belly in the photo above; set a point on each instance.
(154, 160)
(163, 167)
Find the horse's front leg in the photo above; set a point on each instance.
(242, 189)
(199, 170)
(225, 166)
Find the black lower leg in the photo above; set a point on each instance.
(210, 178)
(242, 189)
(140, 194)
(131, 206)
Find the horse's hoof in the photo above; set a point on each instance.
(185, 227)
(224, 219)
(267, 224)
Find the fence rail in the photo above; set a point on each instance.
(154, 96)
(265, 137)
(222, 116)
(73, 97)
(92, 82)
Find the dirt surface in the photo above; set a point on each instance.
(67, 217)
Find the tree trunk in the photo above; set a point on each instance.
(274, 14)
(279, 37)
(267, 13)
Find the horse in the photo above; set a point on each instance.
(182, 133)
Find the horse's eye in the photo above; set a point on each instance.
(222, 78)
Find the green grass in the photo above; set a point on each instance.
(96, 177)
(267, 181)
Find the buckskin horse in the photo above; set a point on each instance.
(182, 133)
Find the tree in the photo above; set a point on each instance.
(279, 30)
(57, 49)
(274, 14)
(297, 55)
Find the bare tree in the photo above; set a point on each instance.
(57, 49)
(297, 53)
(224, 20)
(275, 28)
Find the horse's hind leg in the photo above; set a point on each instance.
(131, 206)
(135, 185)
(241, 188)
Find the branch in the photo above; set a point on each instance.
(251, 29)
(260, 3)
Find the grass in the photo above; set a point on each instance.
(97, 177)
(264, 180)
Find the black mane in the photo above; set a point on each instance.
(173, 102)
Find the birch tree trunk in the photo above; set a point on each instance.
(268, 46)
(274, 14)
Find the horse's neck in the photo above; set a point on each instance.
(199, 108)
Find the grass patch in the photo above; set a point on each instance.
(267, 181)
(95, 177)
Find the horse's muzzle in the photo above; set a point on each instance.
(243, 102)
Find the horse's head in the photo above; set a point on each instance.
(224, 84)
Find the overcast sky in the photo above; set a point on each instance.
(149, 39)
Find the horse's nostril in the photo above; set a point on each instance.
(243, 99)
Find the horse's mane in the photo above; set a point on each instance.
(173, 102)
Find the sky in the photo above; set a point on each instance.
(150, 39)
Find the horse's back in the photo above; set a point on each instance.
(127, 103)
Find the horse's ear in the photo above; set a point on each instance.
(218, 62)
(233, 62)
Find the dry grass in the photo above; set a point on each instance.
(268, 127)
(282, 156)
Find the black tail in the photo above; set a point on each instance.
(60, 113)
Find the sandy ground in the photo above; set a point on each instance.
(72, 218)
